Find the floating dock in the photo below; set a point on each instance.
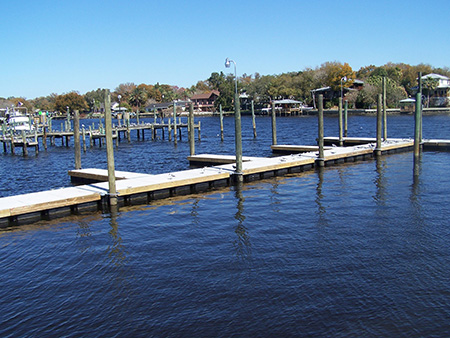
(135, 187)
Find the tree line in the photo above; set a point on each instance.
(401, 80)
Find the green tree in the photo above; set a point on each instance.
(137, 98)
(95, 99)
(225, 85)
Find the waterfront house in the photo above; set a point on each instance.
(205, 101)
(439, 97)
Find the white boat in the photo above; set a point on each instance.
(17, 121)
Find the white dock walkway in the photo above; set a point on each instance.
(129, 184)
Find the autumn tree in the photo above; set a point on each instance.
(73, 100)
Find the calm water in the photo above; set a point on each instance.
(358, 250)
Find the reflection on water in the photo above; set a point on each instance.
(380, 181)
(242, 242)
(116, 250)
(255, 264)
(321, 210)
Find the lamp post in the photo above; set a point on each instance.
(342, 88)
(237, 125)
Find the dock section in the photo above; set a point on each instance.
(133, 187)
(92, 175)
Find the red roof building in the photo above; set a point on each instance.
(205, 101)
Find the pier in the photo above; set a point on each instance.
(45, 134)
(142, 188)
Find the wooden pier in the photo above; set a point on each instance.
(142, 188)
(32, 139)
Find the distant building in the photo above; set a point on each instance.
(205, 101)
(439, 97)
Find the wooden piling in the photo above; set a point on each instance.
(253, 119)
(13, 147)
(384, 110)
(341, 140)
(24, 140)
(128, 131)
(44, 137)
(83, 133)
(238, 137)
(191, 129)
(320, 160)
(379, 125)
(76, 139)
(174, 123)
(221, 122)
(417, 114)
(110, 151)
(274, 125)
(346, 118)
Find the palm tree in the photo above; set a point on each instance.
(137, 98)
(430, 83)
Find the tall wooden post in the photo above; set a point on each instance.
(174, 123)
(253, 119)
(321, 159)
(238, 137)
(191, 131)
(346, 118)
(44, 137)
(419, 75)
(221, 122)
(76, 139)
(274, 125)
(379, 126)
(384, 110)
(24, 141)
(341, 140)
(417, 115)
(83, 132)
(110, 151)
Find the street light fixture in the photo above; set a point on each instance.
(237, 125)
(228, 64)
(342, 89)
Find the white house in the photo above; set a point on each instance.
(441, 95)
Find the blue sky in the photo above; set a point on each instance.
(60, 46)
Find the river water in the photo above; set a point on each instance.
(359, 249)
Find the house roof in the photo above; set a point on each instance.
(435, 76)
(204, 96)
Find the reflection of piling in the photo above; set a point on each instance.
(253, 119)
(341, 140)
(320, 160)
(76, 139)
(274, 125)
(379, 126)
(417, 124)
(191, 131)
(110, 151)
